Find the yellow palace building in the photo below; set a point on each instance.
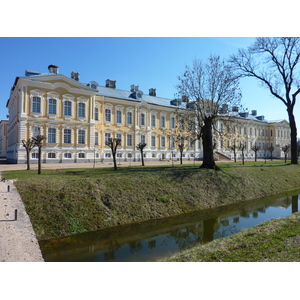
(78, 118)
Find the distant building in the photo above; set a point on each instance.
(3, 138)
(77, 118)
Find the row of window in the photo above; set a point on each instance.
(142, 121)
(53, 155)
(52, 107)
(129, 140)
(67, 136)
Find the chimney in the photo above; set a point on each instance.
(53, 69)
(152, 92)
(185, 98)
(253, 112)
(75, 76)
(134, 88)
(110, 83)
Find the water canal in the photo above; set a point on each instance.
(152, 240)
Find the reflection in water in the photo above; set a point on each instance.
(149, 241)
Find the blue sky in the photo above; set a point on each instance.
(150, 62)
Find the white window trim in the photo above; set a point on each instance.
(36, 93)
(130, 109)
(82, 100)
(71, 99)
(55, 97)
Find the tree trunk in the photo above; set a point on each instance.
(142, 155)
(208, 152)
(114, 159)
(28, 162)
(181, 156)
(294, 155)
(39, 161)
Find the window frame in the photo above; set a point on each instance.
(81, 137)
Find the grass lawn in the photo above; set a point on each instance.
(277, 240)
(68, 201)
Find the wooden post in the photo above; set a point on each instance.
(8, 188)
(16, 214)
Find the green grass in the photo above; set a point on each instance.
(68, 201)
(277, 240)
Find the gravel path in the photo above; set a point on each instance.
(18, 242)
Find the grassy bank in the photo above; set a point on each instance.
(69, 201)
(273, 241)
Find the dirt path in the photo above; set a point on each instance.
(18, 242)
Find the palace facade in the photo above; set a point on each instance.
(78, 118)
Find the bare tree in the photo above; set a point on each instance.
(206, 88)
(271, 149)
(286, 150)
(28, 145)
(233, 148)
(141, 147)
(274, 62)
(38, 141)
(113, 144)
(242, 147)
(255, 149)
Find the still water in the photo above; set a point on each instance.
(152, 240)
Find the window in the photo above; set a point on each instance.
(36, 131)
(107, 115)
(271, 132)
(36, 104)
(51, 135)
(67, 108)
(119, 136)
(107, 137)
(119, 116)
(81, 137)
(191, 142)
(67, 136)
(163, 141)
(51, 155)
(34, 155)
(250, 130)
(81, 110)
(107, 155)
(143, 139)
(129, 140)
(173, 142)
(163, 121)
(152, 141)
(67, 155)
(96, 138)
(119, 155)
(52, 106)
(142, 119)
(96, 114)
(129, 117)
(153, 120)
(81, 155)
(172, 122)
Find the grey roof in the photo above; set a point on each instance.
(127, 95)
